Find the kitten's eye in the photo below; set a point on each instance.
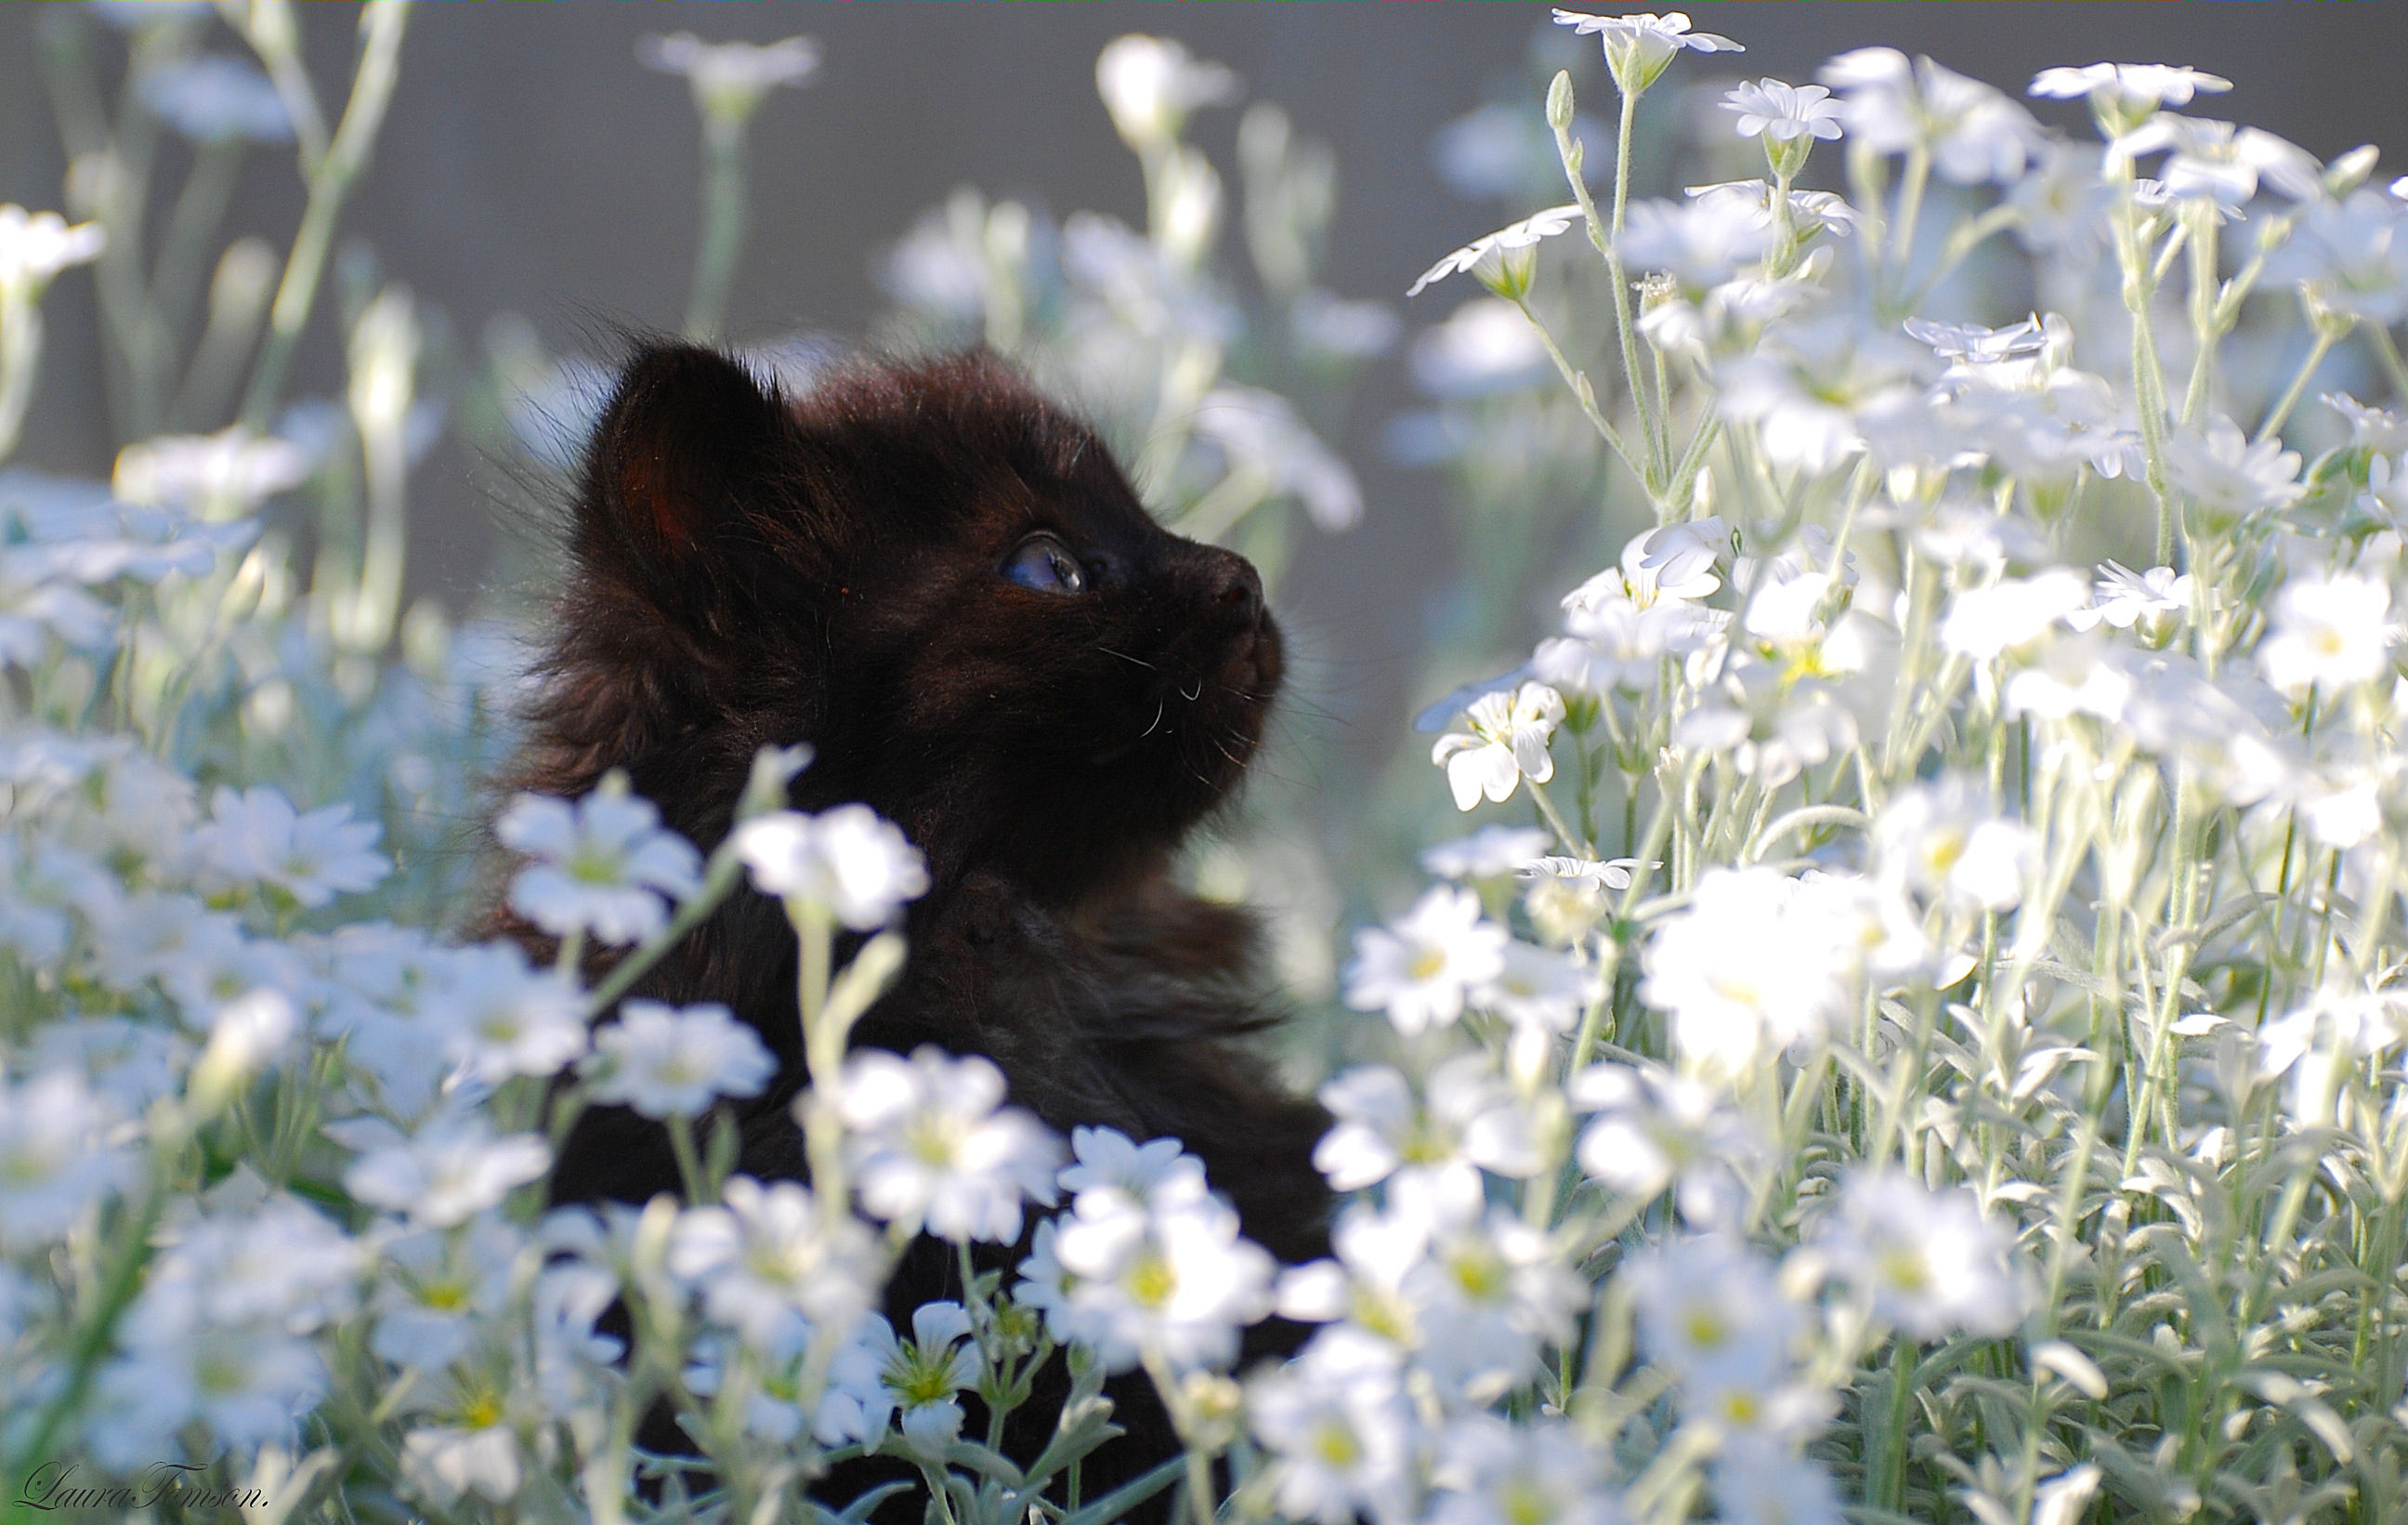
(1046, 564)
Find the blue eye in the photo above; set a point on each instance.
(1046, 564)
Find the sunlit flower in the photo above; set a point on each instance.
(661, 1059)
(1490, 1293)
(1654, 1129)
(601, 865)
(767, 1258)
(1260, 436)
(918, 1379)
(846, 859)
(1806, 385)
(1930, 1262)
(933, 1146)
(2123, 96)
(2150, 604)
(1540, 1472)
(450, 1462)
(1638, 46)
(1169, 1280)
(447, 1173)
(1485, 346)
(1466, 1120)
(2224, 163)
(1151, 84)
(1942, 840)
(1700, 242)
(257, 838)
(1891, 104)
(35, 246)
(1508, 742)
(1496, 246)
(2011, 614)
(1340, 1433)
(1783, 113)
(1758, 960)
(1107, 1159)
(1490, 852)
(2352, 256)
(2332, 634)
(1712, 1311)
(1419, 968)
(730, 79)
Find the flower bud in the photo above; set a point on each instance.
(1559, 101)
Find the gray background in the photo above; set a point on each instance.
(530, 164)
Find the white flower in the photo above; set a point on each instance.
(1149, 85)
(1655, 1129)
(1260, 436)
(848, 860)
(1340, 1433)
(57, 1157)
(1419, 968)
(1490, 852)
(1467, 1119)
(247, 1384)
(1700, 242)
(1782, 113)
(1942, 840)
(34, 609)
(1639, 47)
(602, 864)
(2219, 161)
(1674, 562)
(2352, 256)
(448, 1463)
(2011, 615)
(766, 1259)
(1808, 386)
(218, 476)
(2334, 634)
(1710, 1310)
(2151, 602)
(36, 246)
(273, 1262)
(433, 1289)
(1758, 960)
(2375, 429)
(2123, 96)
(1524, 233)
(1537, 1472)
(1540, 990)
(1486, 345)
(933, 1146)
(1169, 1280)
(1928, 1262)
(450, 1172)
(130, 1063)
(1106, 1160)
(257, 838)
(1760, 1483)
(916, 1379)
(211, 97)
(1490, 1292)
(661, 1059)
(730, 79)
(245, 1035)
(1508, 743)
(1974, 133)
(504, 1017)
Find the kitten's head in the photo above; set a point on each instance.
(934, 576)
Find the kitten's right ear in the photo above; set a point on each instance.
(690, 441)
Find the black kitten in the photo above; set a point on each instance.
(946, 586)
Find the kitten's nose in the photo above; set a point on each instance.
(1236, 587)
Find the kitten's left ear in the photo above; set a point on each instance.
(681, 469)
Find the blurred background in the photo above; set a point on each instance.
(1224, 286)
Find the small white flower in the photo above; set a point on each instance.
(1495, 246)
(2219, 161)
(1710, 1310)
(1655, 1129)
(933, 1146)
(1419, 968)
(1484, 347)
(1106, 1160)
(1782, 113)
(1540, 991)
(1169, 1281)
(2123, 96)
(248, 1384)
(1490, 1293)
(257, 838)
(1759, 961)
(448, 1463)
(661, 1059)
(1508, 743)
(1942, 840)
(2375, 429)
(2011, 615)
(56, 1157)
(1490, 852)
(1259, 434)
(1761, 1483)
(1928, 1262)
(1465, 1120)
(1537, 1472)
(2333, 634)
(2352, 256)
(36, 246)
(1701, 243)
(766, 1259)
(1149, 85)
(1640, 46)
(601, 865)
(450, 1172)
(2151, 602)
(848, 860)
(918, 1379)
(1974, 133)
(1340, 1433)
(219, 475)
(730, 79)
(213, 97)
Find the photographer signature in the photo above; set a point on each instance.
(52, 1486)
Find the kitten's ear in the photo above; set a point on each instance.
(689, 443)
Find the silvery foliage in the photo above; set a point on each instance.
(1915, 1030)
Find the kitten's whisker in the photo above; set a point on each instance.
(1159, 705)
(1126, 657)
(1194, 697)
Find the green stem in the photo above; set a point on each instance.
(2290, 398)
(723, 227)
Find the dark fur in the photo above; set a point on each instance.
(750, 568)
